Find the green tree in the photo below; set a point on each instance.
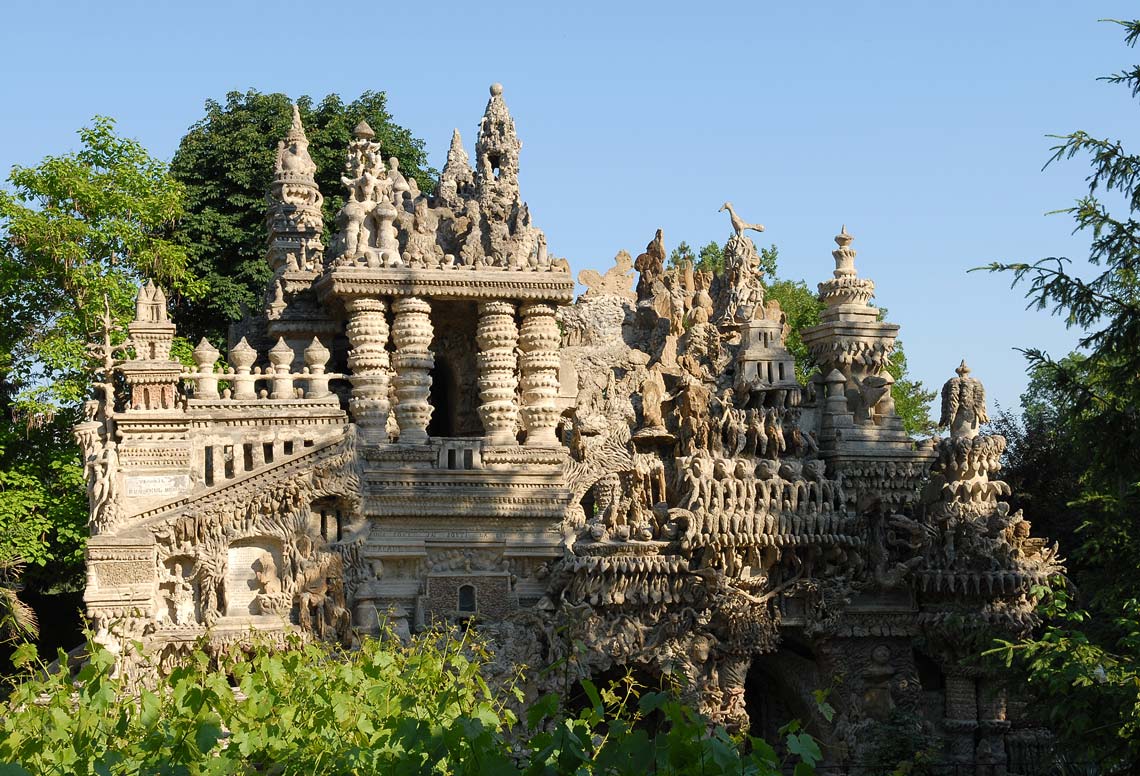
(225, 163)
(1085, 666)
(77, 233)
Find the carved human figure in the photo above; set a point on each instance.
(265, 571)
(398, 184)
(472, 250)
(653, 395)
(180, 597)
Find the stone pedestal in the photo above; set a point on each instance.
(413, 361)
(539, 339)
(367, 332)
(497, 337)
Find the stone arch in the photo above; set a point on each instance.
(779, 688)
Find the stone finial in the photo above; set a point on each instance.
(363, 132)
(963, 404)
(316, 355)
(846, 294)
(296, 129)
(845, 255)
(281, 354)
(205, 355)
(242, 356)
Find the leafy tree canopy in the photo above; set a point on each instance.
(1082, 414)
(77, 233)
(225, 162)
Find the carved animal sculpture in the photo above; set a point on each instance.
(739, 225)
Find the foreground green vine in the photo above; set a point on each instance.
(388, 707)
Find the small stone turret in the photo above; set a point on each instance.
(497, 148)
(294, 215)
(295, 252)
(151, 375)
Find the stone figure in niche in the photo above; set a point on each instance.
(352, 219)
(472, 250)
(180, 597)
(265, 571)
(653, 395)
(211, 576)
(875, 397)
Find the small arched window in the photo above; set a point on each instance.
(467, 603)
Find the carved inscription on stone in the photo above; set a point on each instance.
(141, 486)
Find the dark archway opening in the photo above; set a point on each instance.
(442, 423)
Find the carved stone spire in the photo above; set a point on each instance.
(457, 179)
(294, 215)
(497, 149)
(458, 162)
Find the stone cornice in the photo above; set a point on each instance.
(458, 283)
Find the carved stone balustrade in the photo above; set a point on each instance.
(413, 361)
(539, 340)
(368, 361)
(497, 337)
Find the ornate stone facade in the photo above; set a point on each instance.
(633, 480)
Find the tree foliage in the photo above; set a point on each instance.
(1084, 410)
(225, 162)
(415, 708)
(77, 233)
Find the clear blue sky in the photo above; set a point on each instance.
(920, 125)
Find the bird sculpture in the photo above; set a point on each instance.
(739, 225)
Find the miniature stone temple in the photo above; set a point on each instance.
(424, 426)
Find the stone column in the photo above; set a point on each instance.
(961, 721)
(539, 339)
(367, 332)
(412, 334)
(497, 337)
